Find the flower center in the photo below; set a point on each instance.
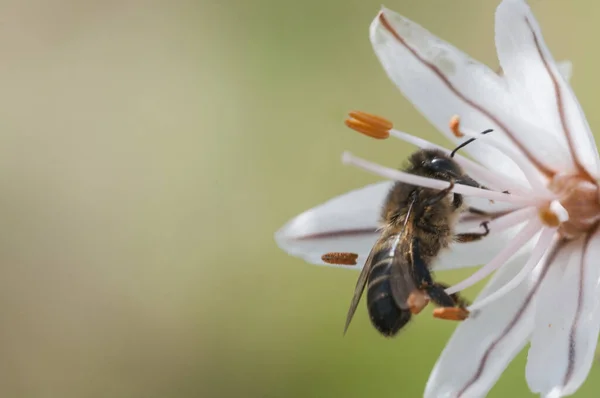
(579, 198)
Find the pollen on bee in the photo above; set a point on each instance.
(370, 125)
(417, 300)
(340, 258)
(455, 126)
(451, 313)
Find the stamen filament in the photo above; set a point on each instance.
(524, 235)
(474, 169)
(530, 172)
(370, 125)
(540, 248)
(393, 174)
(511, 219)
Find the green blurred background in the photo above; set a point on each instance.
(149, 151)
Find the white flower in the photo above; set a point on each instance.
(545, 246)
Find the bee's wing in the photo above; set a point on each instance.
(359, 289)
(402, 283)
(364, 274)
(401, 279)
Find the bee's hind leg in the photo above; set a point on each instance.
(452, 306)
(423, 280)
(459, 300)
(457, 312)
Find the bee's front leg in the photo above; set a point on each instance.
(473, 236)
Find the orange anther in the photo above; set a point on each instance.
(417, 300)
(371, 125)
(455, 126)
(340, 258)
(451, 313)
(549, 218)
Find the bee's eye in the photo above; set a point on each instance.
(444, 165)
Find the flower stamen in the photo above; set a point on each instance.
(553, 214)
(455, 126)
(474, 169)
(451, 313)
(370, 125)
(511, 219)
(393, 174)
(340, 258)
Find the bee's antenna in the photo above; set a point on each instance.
(467, 142)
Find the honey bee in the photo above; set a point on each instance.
(418, 223)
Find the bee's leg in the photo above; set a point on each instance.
(438, 196)
(478, 212)
(456, 313)
(473, 236)
(438, 295)
(459, 300)
(423, 280)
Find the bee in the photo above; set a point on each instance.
(418, 223)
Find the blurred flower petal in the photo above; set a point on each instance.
(567, 321)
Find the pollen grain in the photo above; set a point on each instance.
(371, 125)
(416, 301)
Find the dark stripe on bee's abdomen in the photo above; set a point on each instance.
(385, 314)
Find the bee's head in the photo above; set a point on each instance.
(436, 164)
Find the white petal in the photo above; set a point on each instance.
(541, 94)
(461, 255)
(483, 345)
(346, 223)
(552, 321)
(567, 321)
(565, 68)
(441, 82)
